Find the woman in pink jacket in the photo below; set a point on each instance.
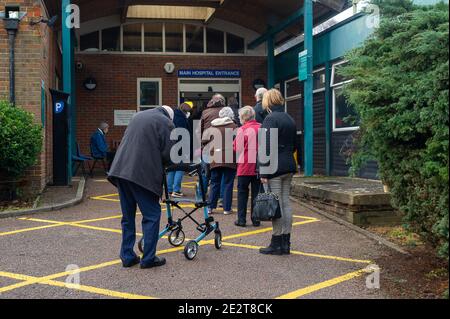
(246, 148)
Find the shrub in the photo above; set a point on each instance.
(20, 140)
(401, 94)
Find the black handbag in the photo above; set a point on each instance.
(266, 206)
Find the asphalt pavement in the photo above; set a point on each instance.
(73, 253)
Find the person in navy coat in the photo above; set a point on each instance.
(180, 120)
(99, 147)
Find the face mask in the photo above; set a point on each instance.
(188, 114)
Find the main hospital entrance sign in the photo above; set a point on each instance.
(209, 73)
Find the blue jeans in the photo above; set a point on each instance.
(174, 180)
(222, 188)
(228, 175)
(132, 195)
(205, 179)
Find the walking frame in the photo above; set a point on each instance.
(176, 235)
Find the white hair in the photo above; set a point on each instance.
(260, 93)
(247, 113)
(170, 111)
(226, 112)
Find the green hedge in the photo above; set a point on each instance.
(401, 94)
(20, 140)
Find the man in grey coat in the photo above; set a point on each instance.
(137, 172)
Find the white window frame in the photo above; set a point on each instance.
(337, 86)
(322, 89)
(164, 44)
(205, 80)
(139, 81)
(291, 98)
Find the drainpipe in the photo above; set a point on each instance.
(12, 26)
(12, 78)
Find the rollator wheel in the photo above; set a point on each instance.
(177, 237)
(218, 240)
(191, 250)
(141, 245)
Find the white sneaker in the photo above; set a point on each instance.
(227, 212)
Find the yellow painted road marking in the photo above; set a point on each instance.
(27, 280)
(37, 280)
(30, 229)
(265, 230)
(332, 282)
(293, 252)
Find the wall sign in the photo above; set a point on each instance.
(123, 117)
(209, 73)
(302, 65)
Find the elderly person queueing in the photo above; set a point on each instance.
(138, 172)
(260, 113)
(279, 180)
(246, 147)
(180, 120)
(209, 114)
(222, 158)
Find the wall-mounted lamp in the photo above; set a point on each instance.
(11, 18)
(90, 84)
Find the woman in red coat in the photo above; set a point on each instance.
(246, 148)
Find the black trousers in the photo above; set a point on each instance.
(244, 182)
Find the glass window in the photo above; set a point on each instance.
(132, 37)
(174, 37)
(153, 40)
(293, 88)
(111, 39)
(235, 44)
(336, 77)
(319, 80)
(90, 41)
(215, 41)
(345, 116)
(149, 93)
(194, 39)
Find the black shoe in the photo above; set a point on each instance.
(286, 244)
(132, 263)
(256, 223)
(157, 262)
(240, 224)
(274, 248)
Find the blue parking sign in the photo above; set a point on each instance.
(59, 107)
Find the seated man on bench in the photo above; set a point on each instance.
(99, 147)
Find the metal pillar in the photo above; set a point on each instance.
(270, 62)
(67, 66)
(328, 118)
(308, 89)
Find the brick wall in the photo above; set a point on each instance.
(117, 74)
(37, 56)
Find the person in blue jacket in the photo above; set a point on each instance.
(180, 120)
(99, 147)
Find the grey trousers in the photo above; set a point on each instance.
(282, 187)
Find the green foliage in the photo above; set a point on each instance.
(401, 92)
(20, 140)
